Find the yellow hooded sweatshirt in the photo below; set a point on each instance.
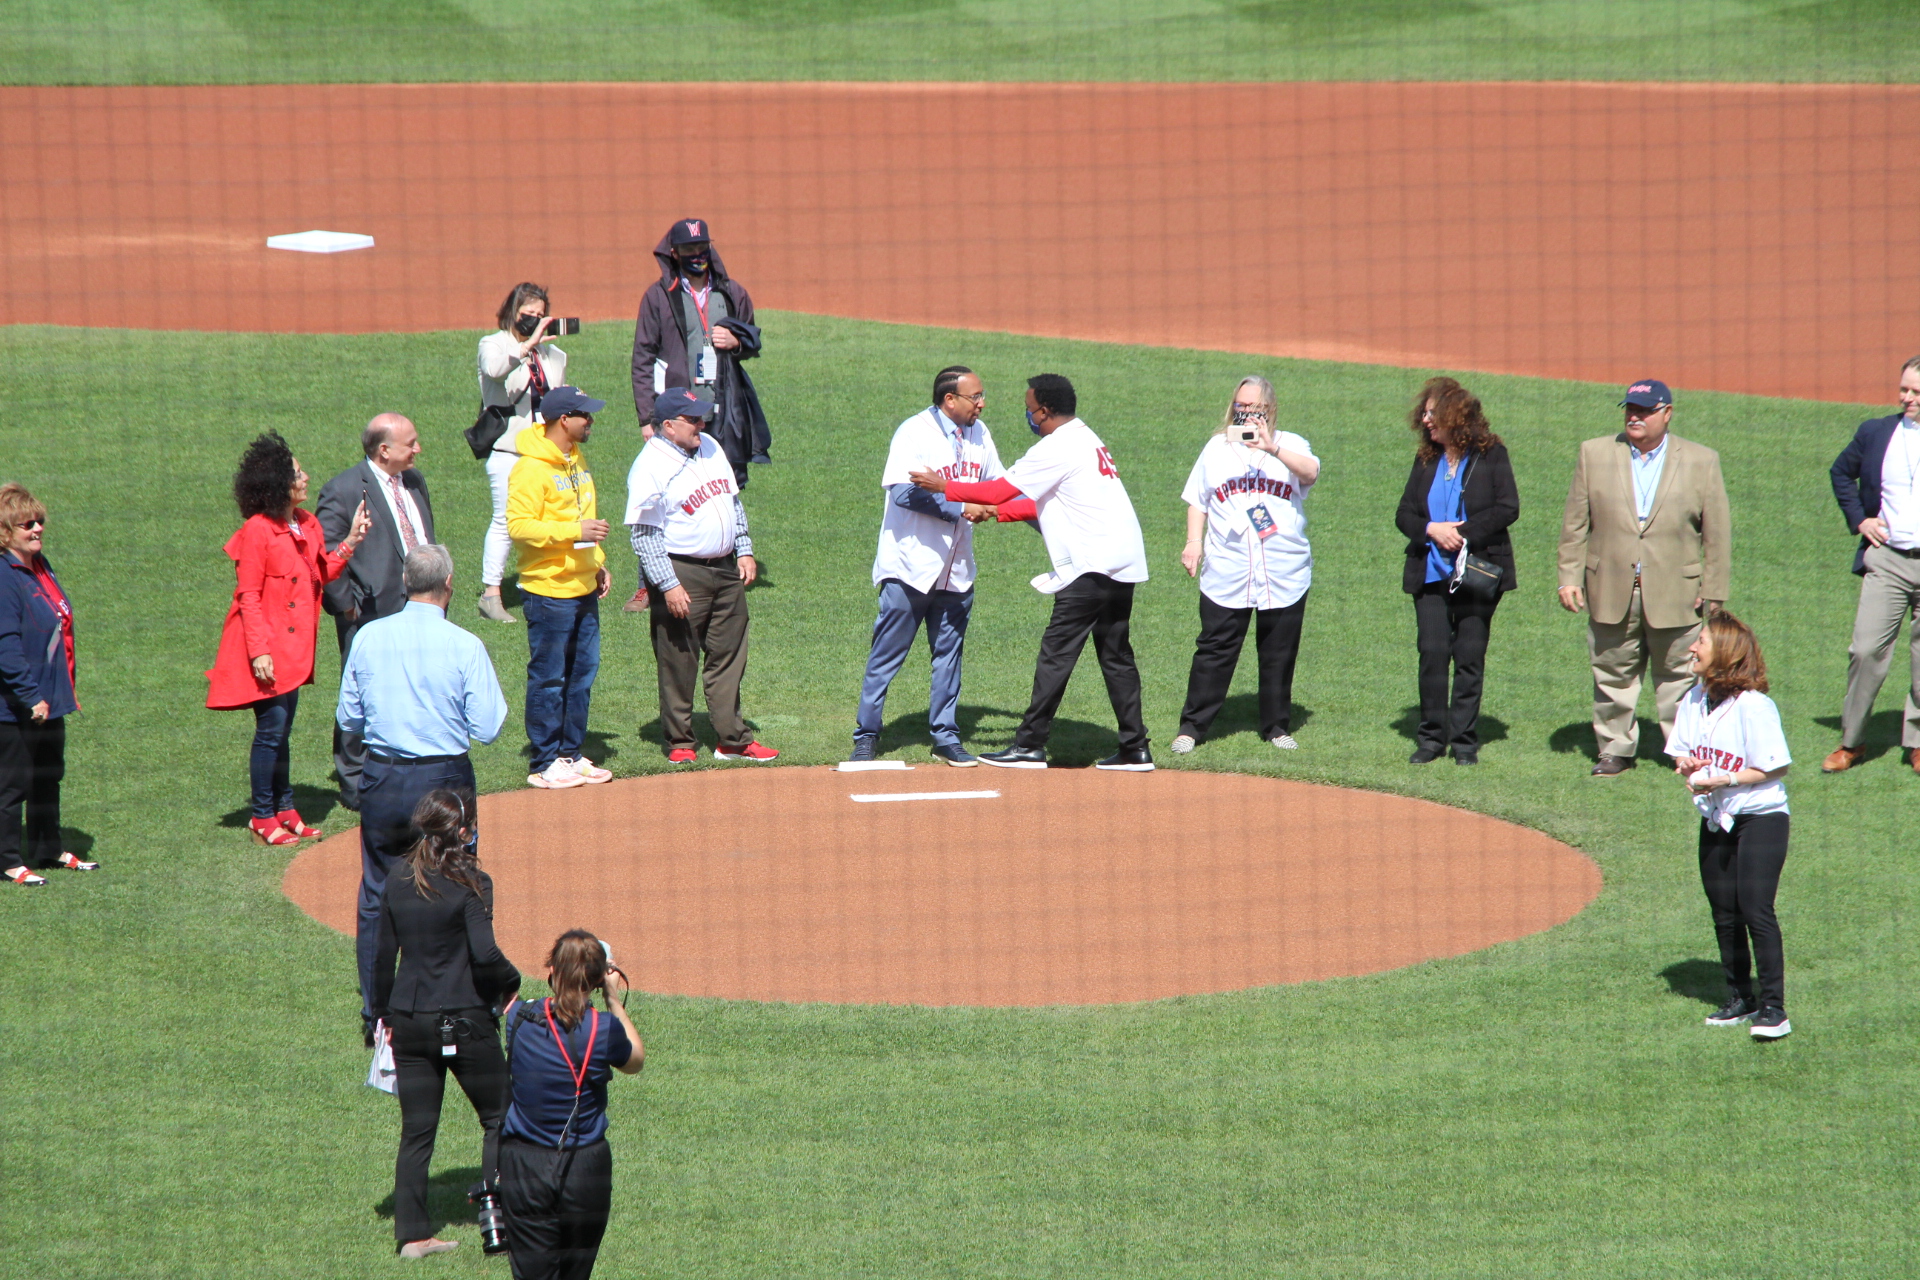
(548, 494)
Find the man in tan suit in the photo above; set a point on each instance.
(1645, 548)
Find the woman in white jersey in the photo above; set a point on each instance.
(518, 365)
(1247, 543)
(1728, 748)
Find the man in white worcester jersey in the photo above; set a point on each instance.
(924, 567)
(1093, 540)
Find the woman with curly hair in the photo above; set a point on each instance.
(266, 646)
(1460, 496)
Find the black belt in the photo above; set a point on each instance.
(1911, 553)
(712, 562)
(381, 758)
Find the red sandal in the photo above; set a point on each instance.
(74, 862)
(301, 831)
(21, 875)
(269, 831)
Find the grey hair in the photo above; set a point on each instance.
(428, 569)
(380, 430)
(1267, 398)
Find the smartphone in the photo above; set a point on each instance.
(1244, 435)
(1246, 426)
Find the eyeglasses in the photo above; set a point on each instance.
(978, 397)
(30, 525)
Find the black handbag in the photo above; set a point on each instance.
(1473, 576)
(487, 429)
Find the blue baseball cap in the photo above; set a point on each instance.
(678, 402)
(1648, 393)
(565, 400)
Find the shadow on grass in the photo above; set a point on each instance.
(1075, 744)
(1702, 980)
(1578, 737)
(1879, 735)
(74, 840)
(1489, 729)
(313, 804)
(1240, 713)
(446, 1198)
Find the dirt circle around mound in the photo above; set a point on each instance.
(992, 887)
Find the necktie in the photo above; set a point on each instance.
(407, 540)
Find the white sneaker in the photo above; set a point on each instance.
(1286, 743)
(556, 776)
(591, 772)
(1182, 744)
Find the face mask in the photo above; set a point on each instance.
(525, 325)
(694, 266)
(1031, 424)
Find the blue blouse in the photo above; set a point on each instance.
(1443, 504)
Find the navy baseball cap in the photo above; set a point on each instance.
(1648, 393)
(678, 402)
(688, 231)
(565, 400)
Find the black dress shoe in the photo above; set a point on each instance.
(1425, 755)
(1128, 760)
(1612, 766)
(1465, 757)
(1016, 758)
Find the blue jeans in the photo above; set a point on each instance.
(270, 765)
(563, 656)
(902, 610)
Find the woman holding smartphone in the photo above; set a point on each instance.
(1728, 747)
(1247, 544)
(518, 366)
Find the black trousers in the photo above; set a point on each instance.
(557, 1204)
(1092, 603)
(33, 760)
(1740, 870)
(420, 1076)
(1452, 632)
(1276, 639)
(389, 789)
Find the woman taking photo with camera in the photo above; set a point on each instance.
(556, 1170)
(281, 562)
(1460, 499)
(437, 915)
(36, 695)
(1728, 748)
(518, 365)
(1247, 524)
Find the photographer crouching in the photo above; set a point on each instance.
(437, 916)
(556, 1170)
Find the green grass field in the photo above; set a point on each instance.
(350, 41)
(180, 1046)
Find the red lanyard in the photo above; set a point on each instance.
(586, 1058)
(700, 297)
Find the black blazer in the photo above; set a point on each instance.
(1856, 477)
(1492, 503)
(372, 583)
(448, 957)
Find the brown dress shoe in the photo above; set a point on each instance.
(1842, 759)
(638, 604)
(1612, 766)
(1913, 758)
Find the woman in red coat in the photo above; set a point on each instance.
(266, 647)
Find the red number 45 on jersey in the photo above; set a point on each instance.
(1106, 462)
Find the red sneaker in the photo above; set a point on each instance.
(752, 751)
(682, 755)
(301, 831)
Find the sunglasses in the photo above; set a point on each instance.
(30, 525)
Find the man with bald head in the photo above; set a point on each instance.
(372, 585)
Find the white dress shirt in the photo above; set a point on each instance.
(1900, 486)
(405, 513)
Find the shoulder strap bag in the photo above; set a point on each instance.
(1473, 576)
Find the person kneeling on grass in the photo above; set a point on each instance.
(1728, 747)
(556, 1170)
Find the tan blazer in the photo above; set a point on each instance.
(1684, 551)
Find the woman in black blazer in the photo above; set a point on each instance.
(1461, 490)
(439, 1009)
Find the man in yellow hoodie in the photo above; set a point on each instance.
(554, 519)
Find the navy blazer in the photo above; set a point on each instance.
(33, 656)
(1856, 477)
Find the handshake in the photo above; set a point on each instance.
(933, 482)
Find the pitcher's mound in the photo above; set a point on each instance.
(1065, 887)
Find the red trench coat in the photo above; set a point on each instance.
(276, 608)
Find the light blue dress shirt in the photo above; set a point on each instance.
(1646, 476)
(416, 685)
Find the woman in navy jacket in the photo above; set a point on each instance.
(1461, 490)
(36, 694)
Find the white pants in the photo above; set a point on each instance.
(493, 562)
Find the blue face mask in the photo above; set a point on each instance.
(1031, 424)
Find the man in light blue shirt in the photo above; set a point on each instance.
(416, 688)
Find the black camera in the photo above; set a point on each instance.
(560, 328)
(492, 1218)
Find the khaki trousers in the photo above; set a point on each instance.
(715, 625)
(1888, 594)
(1621, 653)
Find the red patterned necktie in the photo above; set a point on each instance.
(407, 540)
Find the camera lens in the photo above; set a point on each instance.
(492, 1219)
